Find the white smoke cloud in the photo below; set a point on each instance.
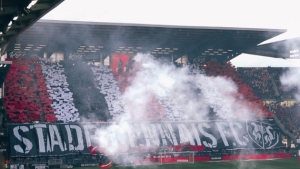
(290, 79)
(194, 95)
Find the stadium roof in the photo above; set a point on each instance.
(282, 49)
(93, 38)
(18, 15)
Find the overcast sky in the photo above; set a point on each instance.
(275, 14)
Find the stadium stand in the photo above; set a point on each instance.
(259, 80)
(84, 93)
(109, 88)
(72, 90)
(285, 93)
(173, 112)
(275, 74)
(158, 108)
(57, 86)
(288, 116)
(26, 98)
(89, 101)
(113, 84)
(213, 68)
(161, 108)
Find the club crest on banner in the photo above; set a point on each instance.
(262, 134)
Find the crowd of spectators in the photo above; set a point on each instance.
(69, 90)
(57, 86)
(157, 107)
(259, 80)
(26, 97)
(90, 102)
(249, 100)
(108, 86)
(288, 116)
(113, 84)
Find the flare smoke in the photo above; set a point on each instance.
(194, 95)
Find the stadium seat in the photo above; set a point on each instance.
(26, 91)
(57, 87)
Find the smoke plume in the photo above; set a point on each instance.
(290, 81)
(193, 95)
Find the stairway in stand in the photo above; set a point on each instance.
(274, 85)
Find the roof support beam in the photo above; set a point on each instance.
(17, 25)
(38, 7)
(27, 17)
(11, 32)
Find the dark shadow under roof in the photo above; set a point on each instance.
(93, 38)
